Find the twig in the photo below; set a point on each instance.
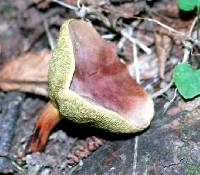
(186, 54)
(80, 10)
(187, 36)
(10, 161)
(8, 118)
(108, 36)
(65, 5)
(78, 3)
(166, 105)
(162, 91)
(188, 45)
(136, 63)
(196, 41)
(19, 168)
(120, 44)
(192, 26)
(49, 36)
(145, 173)
(126, 33)
(73, 169)
(135, 155)
(162, 24)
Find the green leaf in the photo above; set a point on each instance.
(187, 80)
(188, 5)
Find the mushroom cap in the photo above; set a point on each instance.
(89, 84)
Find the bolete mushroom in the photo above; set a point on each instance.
(89, 85)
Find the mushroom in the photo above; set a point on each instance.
(89, 85)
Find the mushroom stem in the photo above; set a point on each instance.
(47, 120)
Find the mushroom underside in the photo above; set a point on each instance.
(103, 80)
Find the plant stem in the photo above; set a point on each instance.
(198, 20)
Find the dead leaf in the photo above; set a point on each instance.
(27, 73)
(124, 10)
(167, 9)
(10, 38)
(148, 66)
(163, 50)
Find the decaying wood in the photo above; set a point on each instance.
(8, 118)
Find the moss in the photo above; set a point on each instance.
(147, 158)
(184, 113)
(187, 132)
(6, 8)
(192, 169)
(165, 149)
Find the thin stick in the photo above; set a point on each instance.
(121, 43)
(188, 45)
(135, 155)
(108, 36)
(136, 63)
(192, 26)
(166, 105)
(49, 36)
(65, 5)
(162, 24)
(186, 55)
(136, 41)
(162, 91)
(169, 28)
(78, 3)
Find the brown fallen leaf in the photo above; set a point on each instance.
(167, 9)
(124, 10)
(27, 73)
(163, 49)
